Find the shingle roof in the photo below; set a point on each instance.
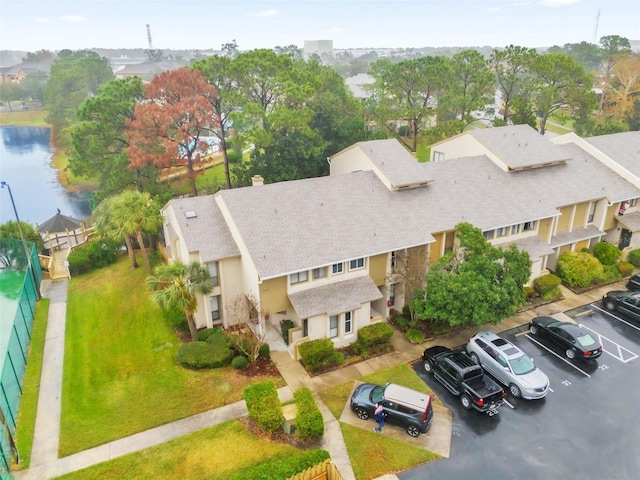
(519, 146)
(206, 233)
(59, 223)
(536, 247)
(335, 298)
(630, 220)
(623, 148)
(398, 165)
(566, 238)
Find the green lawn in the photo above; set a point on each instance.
(215, 453)
(31, 386)
(373, 455)
(24, 118)
(120, 376)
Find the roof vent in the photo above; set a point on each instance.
(190, 214)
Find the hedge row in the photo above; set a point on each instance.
(283, 468)
(95, 254)
(264, 406)
(309, 421)
(198, 355)
(318, 354)
(376, 334)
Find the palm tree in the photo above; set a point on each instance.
(176, 285)
(102, 218)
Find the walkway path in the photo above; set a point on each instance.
(45, 463)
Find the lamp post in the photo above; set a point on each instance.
(24, 242)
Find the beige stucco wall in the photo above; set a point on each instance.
(544, 229)
(581, 215)
(564, 220)
(461, 146)
(435, 248)
(354, 159)
(610, 217)
(273, 295)
(378, 268)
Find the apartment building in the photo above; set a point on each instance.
(334, 254)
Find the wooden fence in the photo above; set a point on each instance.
(322, 471)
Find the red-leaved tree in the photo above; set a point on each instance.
(168, 127)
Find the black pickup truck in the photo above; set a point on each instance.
(464, 378)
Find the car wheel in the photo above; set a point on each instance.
(362, 414)
(533, 329)
(428, 366)
(609, 305)
(465, 401)
(570, 353)
(474, 357)
(413, 431)
(515, 390)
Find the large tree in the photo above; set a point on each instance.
(589, 55)
(407, 91)
(559, 81)
(611, 46)
(511, 69)
(475, 284)
(167, 128)
(622, 88)
(99, 141)
(176, 285)
(102, 218)
(73, 77)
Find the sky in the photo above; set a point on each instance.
(32, 25)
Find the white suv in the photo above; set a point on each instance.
(509, 365)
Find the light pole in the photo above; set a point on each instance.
(24, 242)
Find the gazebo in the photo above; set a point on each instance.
(62, 231)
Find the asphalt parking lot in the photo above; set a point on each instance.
(586, 427)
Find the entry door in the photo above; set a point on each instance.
(625, 238)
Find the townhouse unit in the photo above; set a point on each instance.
(336, 253)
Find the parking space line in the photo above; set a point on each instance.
(554, 353)
(620, 348)
(614, 316)
(505, 401)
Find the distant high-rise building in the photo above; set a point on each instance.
(318, 47)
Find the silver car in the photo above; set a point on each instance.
(508, 364)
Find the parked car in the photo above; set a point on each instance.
(576, 342)
(402, 406)
(634, 282)
(464, 378)
(508, 365)
(627, 302)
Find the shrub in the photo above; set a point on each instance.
(414, 336)
(579, 269)
(610, 273)
(218, 339)
(529, 292)
(239, 362)
(198, 355)
(79, 261)
(634, 258)
(285, 326)
(607, 253)
(103, 252)
(309, 421)
(264, 406)
(234, 156)
(376, 334)
(547, 285)
(625, 268)
(285, 467)
(176, 318)
(264, 351)
(317, 354)
(401, 321)
(205, 333)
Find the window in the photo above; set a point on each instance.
(502, 232)
(392, 294)
(305, 327)
(348, 323)
(356, 264)
(337, 268)
(215, 307)
(333, 326)
(394, 259)
(449, 240)
(592, 212)
(437, 156)
(633, 202)
(319, 272)
(297, 277)
(213, 273)
(528, 226)
(515, 229)
(489, 234)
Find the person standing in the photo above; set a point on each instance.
(379, 416)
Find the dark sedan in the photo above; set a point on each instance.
(627, 302)
(576, 342)
(634, 282)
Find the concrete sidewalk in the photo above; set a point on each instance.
(45, 463)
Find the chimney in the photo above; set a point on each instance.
(257, 180)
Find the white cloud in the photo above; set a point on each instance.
(336, 30)
(272, 12)
(558, 3)
(74, 18)
(493, 9)
(42, 20)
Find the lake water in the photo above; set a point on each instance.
(25, 157)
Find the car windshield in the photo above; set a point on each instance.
(377, 394)
(522, 365)
(586, 340)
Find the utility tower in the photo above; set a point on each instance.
(595, 30)
(149, 37)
